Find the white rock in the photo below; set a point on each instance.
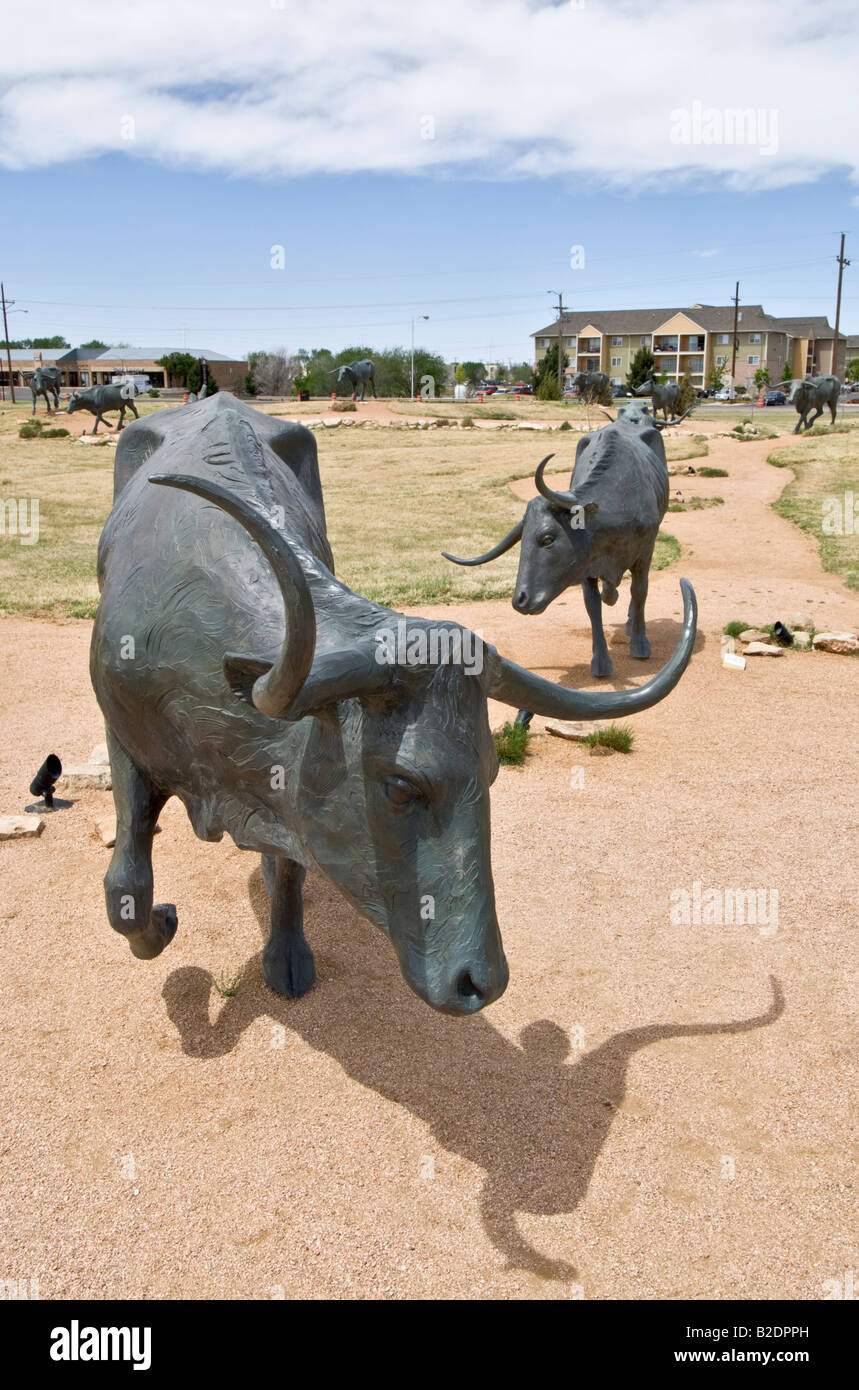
(802, 640)
(531, 425)
(836, 642)
(577, 730)
(753, 634)
(83, 777)
(733, 662)
(99, 754)
(801, 622)
(763, 649)
(20, 827)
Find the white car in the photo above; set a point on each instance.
(722, 395)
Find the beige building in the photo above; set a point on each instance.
(82, 367)
(695, 340)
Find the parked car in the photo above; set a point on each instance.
(522, 389)
(723, 394)
(619, 391)
(775, 398)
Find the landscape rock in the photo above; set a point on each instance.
(20, 827)
(532, 425)
(99, 754)
(802, 622)
(84, 777)
(753, 634)
(802, 640)
(844, 642)
(575, 729)
(763, 649)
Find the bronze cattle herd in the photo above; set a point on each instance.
(235, 672)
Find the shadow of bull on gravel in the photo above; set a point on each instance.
(532, 1120)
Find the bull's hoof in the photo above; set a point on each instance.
(288, 968)
(601, 664)
(159, 932)
(640, 647)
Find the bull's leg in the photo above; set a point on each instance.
(121, 416)
(133, 408)
(128, 881)
(601, 664)
(287, 961)
(638, 643)
(799, 424)
(815, 417)
(95, 426)
(373, 384)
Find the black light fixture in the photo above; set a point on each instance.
(782, 636)
(45, 779)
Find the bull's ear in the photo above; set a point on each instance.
(242, 671)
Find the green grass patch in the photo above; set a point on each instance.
(826, 468)
(708, 472)
(666, 551)
(511, 743)
(228, 985)
(620, 737)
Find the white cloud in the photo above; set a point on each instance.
(512, 88)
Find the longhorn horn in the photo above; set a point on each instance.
(523, 689)
(667, 424)
(512, 538)
(567, 500)
(608, 414)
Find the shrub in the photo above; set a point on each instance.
(712, 472)
(341, 406)
(620, 737)
(566, 425)
(467, 422)
(153, 392)
(55, 434)
(511, 742)
(30, 431)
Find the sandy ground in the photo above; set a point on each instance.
(644, 1114)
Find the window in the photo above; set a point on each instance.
(571, 342)
(617, 341)
(754, 337)
(542, 342)
(644, 340)
(615, 361)
(721, 361)
(616, 381)
(723, 339)
(754, 361)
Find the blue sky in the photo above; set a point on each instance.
(167, 236)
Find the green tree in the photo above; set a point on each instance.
(177, 368)
(473, 372)
(716, 378)
(459, 374)
(787, 372)
(94, 345)
(851, 372)
(522, 371)
(642, 368)
(762, 378)
(688, 394)
(546, 375)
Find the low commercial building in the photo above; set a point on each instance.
(82, 367)
(696, 340)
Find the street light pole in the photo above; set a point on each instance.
(6, 303)
(412, 373)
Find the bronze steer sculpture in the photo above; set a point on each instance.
(592, 386)
(813, 393)
(98, 399)
(235, 672)
(665, 396)
(606, 524)
(46, 381)
(358, 374)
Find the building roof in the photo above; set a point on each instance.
(26, 356)
(715, 318)
(147, 354)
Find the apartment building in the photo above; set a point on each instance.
(694, 340)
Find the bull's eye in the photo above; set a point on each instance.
(401, 792)
(546, 538)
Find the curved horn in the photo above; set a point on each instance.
(512, 538)
(275, 692)
(560, 499)
(608, 414)
(666, 424)
(516, 686)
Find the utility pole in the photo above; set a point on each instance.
(561, 308)
(6, 336)
(842, 262)
(412, 368)
(734, 340)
